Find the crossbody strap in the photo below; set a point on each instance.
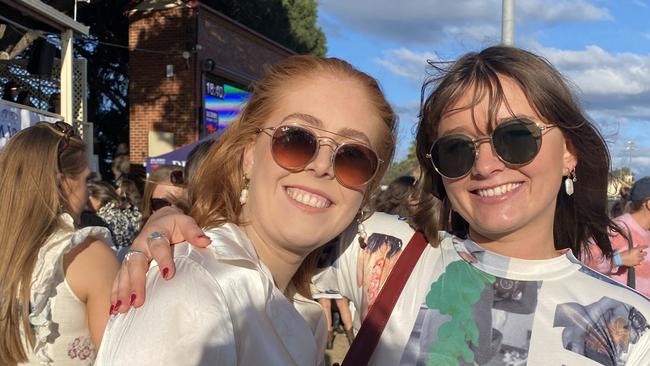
(373, 325)
(631, 272)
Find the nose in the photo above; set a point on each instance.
(486, 162)
(323, 164)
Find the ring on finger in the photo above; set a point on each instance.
(131, 252)
(156, 235)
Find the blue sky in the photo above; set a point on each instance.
(602, 46)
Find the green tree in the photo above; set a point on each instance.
(406, 166)
(291, 23)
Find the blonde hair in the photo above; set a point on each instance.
(162, 175)
(31, 201)
(215, 188)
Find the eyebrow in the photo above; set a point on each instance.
(318, 124)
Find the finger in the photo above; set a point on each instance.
(121, 301)
(136, 266)
(186, 229)
(114, 288)
(642, 246)
(161, 251)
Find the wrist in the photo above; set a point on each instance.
(617, 259)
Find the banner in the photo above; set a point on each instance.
(14, 117)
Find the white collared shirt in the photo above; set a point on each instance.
(221, 308)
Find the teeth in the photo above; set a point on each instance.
(498, 191)
(308, 199)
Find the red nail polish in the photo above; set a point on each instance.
(117, 305)
(110, 312)
(165, 272)
(132, 299)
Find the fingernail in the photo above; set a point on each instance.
(110, 312)
(132, 299)
(165, 272)
(117, 305)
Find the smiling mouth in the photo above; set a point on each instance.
(498, 190)
(308, 198)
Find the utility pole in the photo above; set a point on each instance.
(508, 23)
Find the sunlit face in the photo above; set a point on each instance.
(75, 191)
(497, 199)
(303, 210)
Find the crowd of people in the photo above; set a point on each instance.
(501, 252)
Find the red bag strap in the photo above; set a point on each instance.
(373, 325)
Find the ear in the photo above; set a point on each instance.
(248, 160)
(570, 157)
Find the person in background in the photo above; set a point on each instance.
(630, 247)
(399, 198)
(55, 279)
(324, 295)
(131, 189)
(122, 218)
(195, 158)
(164, 187)
(620, 206)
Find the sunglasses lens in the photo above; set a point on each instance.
(158, 203)
(355, 165)
(293, 147)
(453, 156)
(517, 141)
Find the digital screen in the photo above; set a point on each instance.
(223, 103)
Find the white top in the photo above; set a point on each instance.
(539, 312)
(58, 317)
(221, 308)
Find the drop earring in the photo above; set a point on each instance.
(361, 229)
(569, 181)
(243, 196)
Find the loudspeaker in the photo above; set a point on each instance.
(41, 58)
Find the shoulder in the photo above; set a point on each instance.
(601, 284)
(90, 266)
(391, 225)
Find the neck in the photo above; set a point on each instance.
(283, 264)
(641, 217)
(523, 245)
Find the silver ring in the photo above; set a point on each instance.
(156, 235)
(133, 252)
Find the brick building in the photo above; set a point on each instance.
(189, 68)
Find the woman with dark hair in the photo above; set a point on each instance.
(399, 198)
(521, 175)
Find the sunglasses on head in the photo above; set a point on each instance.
(158, 203)
(67, 131)
(177, 178)
(294, 147)
(515, 142)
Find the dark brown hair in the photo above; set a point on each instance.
(578, 217)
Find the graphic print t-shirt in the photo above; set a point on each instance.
(464, 305)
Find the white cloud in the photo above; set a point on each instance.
(407, 63)
(614, 83)
(427, 21)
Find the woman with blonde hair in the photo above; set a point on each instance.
(163, 187)
(55, 280)
(286, 178)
